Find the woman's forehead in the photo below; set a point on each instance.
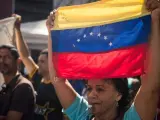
(98, 82)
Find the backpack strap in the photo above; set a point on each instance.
(7, 92)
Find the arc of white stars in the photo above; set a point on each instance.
(99, 35)
(84, 36)
(78, 40)
(105, 37)
(74, 45)
(110, 43)
(91, 34)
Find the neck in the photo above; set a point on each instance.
(46, 77)
(108, 115)
(9, 77)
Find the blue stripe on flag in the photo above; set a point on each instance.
(102, 38)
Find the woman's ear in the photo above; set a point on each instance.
(119, 96)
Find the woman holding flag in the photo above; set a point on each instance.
(108, 98)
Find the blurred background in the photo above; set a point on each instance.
(34, 13)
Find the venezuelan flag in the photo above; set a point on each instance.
(104, 39)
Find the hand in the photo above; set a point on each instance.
(50, 20)
(152, 4)
(18, 20)
(156, 15)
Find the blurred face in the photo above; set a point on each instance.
(43, 64)
(8, 64)
(102, 95)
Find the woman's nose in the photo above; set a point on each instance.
(92, 94)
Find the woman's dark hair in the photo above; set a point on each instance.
(121, 85)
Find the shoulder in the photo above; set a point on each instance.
(36, 79)
(131, 114)
(33, 72)
(35, 75)
(23, 96)
(24, 86)
(24, 83)
(78, 110)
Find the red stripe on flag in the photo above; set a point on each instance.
(119, 63)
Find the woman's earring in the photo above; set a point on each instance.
(117, 104)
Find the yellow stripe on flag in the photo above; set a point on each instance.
(98, 13)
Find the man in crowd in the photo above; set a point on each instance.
(17, 97)
(48, 106)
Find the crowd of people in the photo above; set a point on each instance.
(41, 95)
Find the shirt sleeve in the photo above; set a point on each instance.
(131, 114)
(22, 99)
(32, 73)
(78, 110)
(36, 78)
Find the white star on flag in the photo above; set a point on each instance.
(78, 40)
(99, 34)
(110, 44)
(74, 45)
(91, 34)
(84, 36)
(105, 37)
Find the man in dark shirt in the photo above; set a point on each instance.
(17, 97)
(48, 106)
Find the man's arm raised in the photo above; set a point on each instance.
(23, 48)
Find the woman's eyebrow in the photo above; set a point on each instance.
(99, 85)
